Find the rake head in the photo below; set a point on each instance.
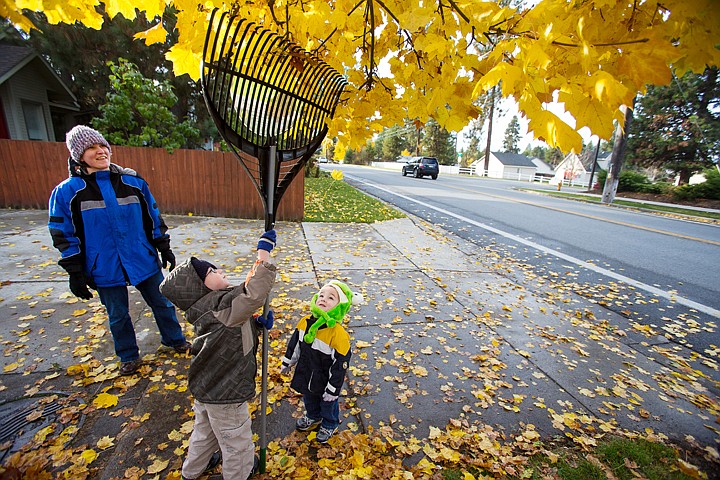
(270, 100)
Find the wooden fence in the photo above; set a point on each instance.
(197, 181)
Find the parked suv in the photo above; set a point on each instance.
(422, 166)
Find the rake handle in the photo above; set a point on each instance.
(268, 160)
(263, 395)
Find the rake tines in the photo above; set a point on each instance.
(263, 92)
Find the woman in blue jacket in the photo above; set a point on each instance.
(108, 228)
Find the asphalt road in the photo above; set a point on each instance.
(660, 272)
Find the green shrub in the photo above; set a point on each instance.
(709, 189)
(656, 188)
(632, 181)
(685, 192)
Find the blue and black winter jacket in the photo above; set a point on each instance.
(107, 225)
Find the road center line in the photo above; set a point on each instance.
(602, 271)
(593, 217)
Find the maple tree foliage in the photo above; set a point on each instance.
(404, 59)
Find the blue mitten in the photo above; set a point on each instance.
(266, 322)
(267, 241)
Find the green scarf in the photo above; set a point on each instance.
(330, 318)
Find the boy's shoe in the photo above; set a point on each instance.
(214, 462)
(183, 348)
(256, 467)
(325, 433)
(306, 423)
(128, 368)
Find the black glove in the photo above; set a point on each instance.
(167, 258)
(78, 286)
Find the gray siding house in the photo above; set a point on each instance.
(34, 103)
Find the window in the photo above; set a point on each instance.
(34, 121)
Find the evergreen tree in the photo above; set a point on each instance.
(394, 142)
(438, 142)
(677, 127)
(535, 152)
(553, 156)
(512, 136)
(475, 151)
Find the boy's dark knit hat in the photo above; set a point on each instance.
(201, 267)
(80, 137)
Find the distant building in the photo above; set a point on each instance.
(507, 165)
(543, 169)
(34, 102)
(578, 168)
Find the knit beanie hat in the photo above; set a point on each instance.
(201, 267)
(80, 137)
(335, 315)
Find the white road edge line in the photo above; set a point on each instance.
(602, 271)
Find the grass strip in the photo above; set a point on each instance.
(331, 200)
(612, 459)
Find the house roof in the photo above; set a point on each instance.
(542, 167)
(513, 159)
(604, 161)
(14, 58)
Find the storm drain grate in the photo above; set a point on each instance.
(15, 419)
(16, 430)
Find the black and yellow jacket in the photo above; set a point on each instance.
(322, 364)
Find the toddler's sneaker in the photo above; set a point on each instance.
(306, 423)
(325, 433)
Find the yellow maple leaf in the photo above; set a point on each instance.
(105, 400)
(156, 34)
(158, 466)
(185, 61)
(420, 371)
(503, 72)
(105, 442)
(42, 434)
(555, 132)
(87, 457)
(11, 367)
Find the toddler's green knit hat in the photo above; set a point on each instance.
(335, 315)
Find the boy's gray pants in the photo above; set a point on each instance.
(226, 427)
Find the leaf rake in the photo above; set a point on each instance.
(271, 101)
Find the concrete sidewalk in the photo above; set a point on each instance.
(449, 330)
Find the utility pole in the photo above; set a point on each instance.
(592, 172)
(616, 160)
(490, 125)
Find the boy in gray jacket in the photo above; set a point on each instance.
(223, 367)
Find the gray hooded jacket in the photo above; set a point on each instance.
(224, 366)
